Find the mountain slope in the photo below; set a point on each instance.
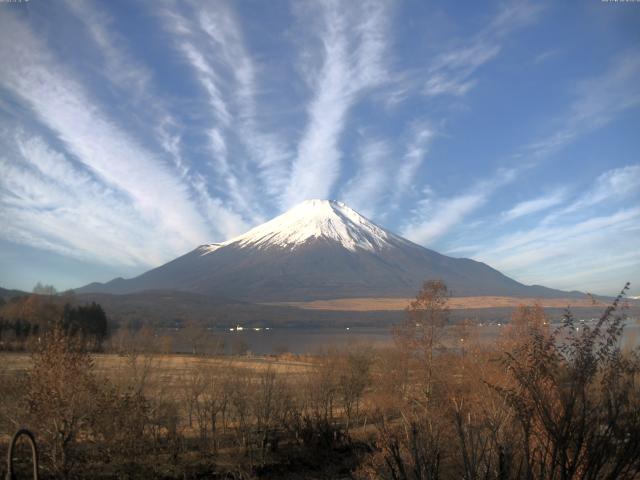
(318, 250)
(7, 294)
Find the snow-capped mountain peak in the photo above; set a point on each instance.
(317, 219)
(319, 249)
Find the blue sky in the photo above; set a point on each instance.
(508, 132)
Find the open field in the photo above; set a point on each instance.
(170, 368)
(455, 303)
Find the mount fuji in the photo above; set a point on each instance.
(320, 249)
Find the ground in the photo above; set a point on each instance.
(455, 303)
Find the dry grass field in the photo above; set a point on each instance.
(168, 372)
(172, 365)
(455, 303)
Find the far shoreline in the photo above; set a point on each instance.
(363, 304)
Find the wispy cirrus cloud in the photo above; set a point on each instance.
(573, 237)
(210, 81)
(566, 248)
(367, 189)
(135, 80)
(421, 136)
(547, 55)
(453, 71)
(208, 78)
(598, 100)
(617, 184)
(387, 170)
(353, 42)
(441, 216)
(212, 44)
(535, 205)
(119, 160)
(48, 201)
(435, 217)
(119, 65)
(226, 173)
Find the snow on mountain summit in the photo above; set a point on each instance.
(319, 249)
(208, 248)
(317, 219)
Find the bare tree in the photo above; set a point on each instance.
(576, 398)
(195, 335)
(422, 331)
(353, 379)
(269, 407)
(61, 387)
(410, 440)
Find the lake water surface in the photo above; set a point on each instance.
(314, 340)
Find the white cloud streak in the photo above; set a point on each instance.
(268, 152)
(422, 136)
(535, 205)
(135, 80)
(538, 254)
(452, 72)
(211, 42)
(598, 101)
(434, 218)
(50, 202)
(119, 66)
(366, 191)
(617, 183)
(572, 240)
(613, 185)
(63, 106)
(444, 215)
(353, 48)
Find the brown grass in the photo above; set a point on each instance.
(455, 303)
(170, 368)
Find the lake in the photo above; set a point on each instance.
(299, 340)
